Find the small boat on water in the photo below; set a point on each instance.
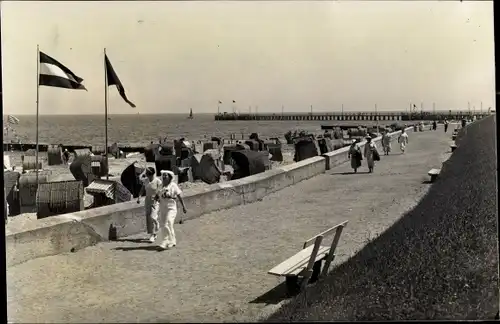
(190, 114)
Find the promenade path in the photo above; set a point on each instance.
(218, 271)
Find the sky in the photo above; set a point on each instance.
(173, 56)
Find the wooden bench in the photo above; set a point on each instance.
(434, 173)
(453, 147)
(306, 264)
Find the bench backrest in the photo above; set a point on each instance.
(337, 228)
(317, 240)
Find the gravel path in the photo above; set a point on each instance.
(219, 269)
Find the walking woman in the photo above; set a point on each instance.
(169, 193)
(386, 142)
(403, 140)
(152, 186)
(370, 152)
(355, 155)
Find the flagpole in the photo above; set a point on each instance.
(37, 108)
(106, 112)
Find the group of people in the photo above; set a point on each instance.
(371, 153)
(161, 206)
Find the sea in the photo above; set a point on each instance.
(141, 129)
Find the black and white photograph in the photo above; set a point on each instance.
(249, 161)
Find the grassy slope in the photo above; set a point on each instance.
(440, 261)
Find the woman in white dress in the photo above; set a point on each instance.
(403, 140)
(169, 193)
(152, 186)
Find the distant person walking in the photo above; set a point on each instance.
(370, 153)
(446, 124)
(464, 122)
(66, 156)
(151, 186)
(169, 193)
(386, 143)
(355, 155)
(421, 126)
(434, 125)
(403, 140)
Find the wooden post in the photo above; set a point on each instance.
(310, 265)
(106, 113)
(333, 247)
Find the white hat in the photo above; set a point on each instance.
(170, 173)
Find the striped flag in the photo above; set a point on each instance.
(113, 80)
(54, 74)
(12, 120)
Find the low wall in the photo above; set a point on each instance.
(70, 232)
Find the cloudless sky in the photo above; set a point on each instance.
(172, 56)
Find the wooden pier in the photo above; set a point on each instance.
(358, 116)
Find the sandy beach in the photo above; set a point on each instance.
(116, 167)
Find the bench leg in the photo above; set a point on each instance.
(316, 271)
(292, 285)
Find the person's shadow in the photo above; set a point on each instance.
(152, 248)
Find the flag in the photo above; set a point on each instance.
(113, 80)
(54, 74)
(12, 120)
(220, 102)
(234, 101)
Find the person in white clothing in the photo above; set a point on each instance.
(403, 140)
(386, 142)
(169, 193)
(151, 185)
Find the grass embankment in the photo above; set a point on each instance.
(440, 261)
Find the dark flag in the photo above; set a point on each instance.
(220, 102)
(113, 80)
(54, 74)
(234, 101)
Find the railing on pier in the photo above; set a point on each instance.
(358, 116)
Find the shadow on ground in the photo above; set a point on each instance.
(136, 248)
(348, 173)
(132, 240)
(440, 261)
(273, 296)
